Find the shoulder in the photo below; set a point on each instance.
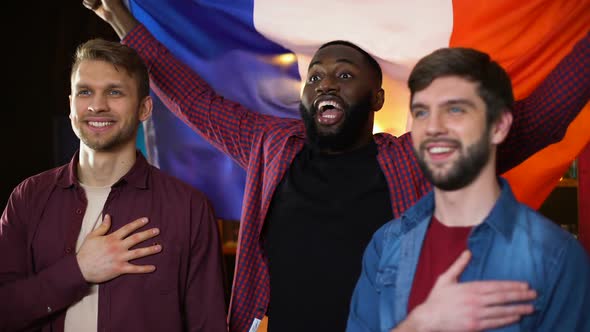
(42, 182)
(395, 147)
(545, 236)
(386, 238)
(173, 187)
(280, 128)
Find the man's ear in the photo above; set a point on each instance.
(379, 100)
(70, 113)
(145, 108)
(501, 128)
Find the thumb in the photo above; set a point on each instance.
(458, 266)
(104, 226)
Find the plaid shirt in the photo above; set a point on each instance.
(265, 147)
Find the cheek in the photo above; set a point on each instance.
(307, 96)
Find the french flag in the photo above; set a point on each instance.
(255, 52)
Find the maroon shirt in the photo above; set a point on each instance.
(40, 277)
(442, 246)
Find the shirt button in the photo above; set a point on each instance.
(78, 211)
(68, 250)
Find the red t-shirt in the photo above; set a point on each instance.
(442, 246)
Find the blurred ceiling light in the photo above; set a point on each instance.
(285, 59)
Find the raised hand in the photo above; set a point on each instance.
(104, 257)
(114, 13)
(470, 306)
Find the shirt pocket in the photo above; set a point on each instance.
(385, 278)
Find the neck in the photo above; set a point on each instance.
(468, 206)
(359, 144)
(101, 169)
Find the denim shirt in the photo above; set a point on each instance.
(513, 243)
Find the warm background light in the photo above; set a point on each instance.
(393, 117)
(285, 59)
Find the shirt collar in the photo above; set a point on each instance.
(137, 175)
(503, 215)
(501, 218)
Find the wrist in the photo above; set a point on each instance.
(121, 20)
(419, 320)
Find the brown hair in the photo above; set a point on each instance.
(119, 55)
(494, 85)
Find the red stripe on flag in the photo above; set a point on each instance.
(529, 38)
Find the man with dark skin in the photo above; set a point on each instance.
(317, 189)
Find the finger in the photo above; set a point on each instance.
(507, 297)
(139, 237)
(103, 228)
(495, 286)
(503, 311)
(142, 252)
(497, 322)
(91, 4)
(130, 227)
(453, 272)
(136, 269)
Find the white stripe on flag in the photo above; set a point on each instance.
(397, 33)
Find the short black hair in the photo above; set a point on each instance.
(370, 60)
(494, 85)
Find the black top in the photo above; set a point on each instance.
(320, 220)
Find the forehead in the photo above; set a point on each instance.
(447, 88)
(338, 53)
(100, 72)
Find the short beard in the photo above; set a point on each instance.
(356, 117)
(465, 170)
(123, 137)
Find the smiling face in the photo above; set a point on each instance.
(105, 108)
(451, 136)
(341, 93)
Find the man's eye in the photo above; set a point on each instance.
(455, 110)
(83, 93)
(419, 113)
(115, 92)
(313, 78)
(345, 75)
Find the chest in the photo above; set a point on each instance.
(60, 222)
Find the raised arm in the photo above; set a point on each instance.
(542, 118)
(226, 124)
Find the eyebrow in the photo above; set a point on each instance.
(341, 60)
(108, 86)
(450, 102)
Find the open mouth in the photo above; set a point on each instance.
(330, 112)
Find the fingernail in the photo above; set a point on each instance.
(144, 220)
(156, 231)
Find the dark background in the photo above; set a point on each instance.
(37, 48)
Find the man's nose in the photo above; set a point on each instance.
(98, 104)
(327, 85)
(435, 124)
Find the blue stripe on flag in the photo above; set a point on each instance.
(218, 40)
